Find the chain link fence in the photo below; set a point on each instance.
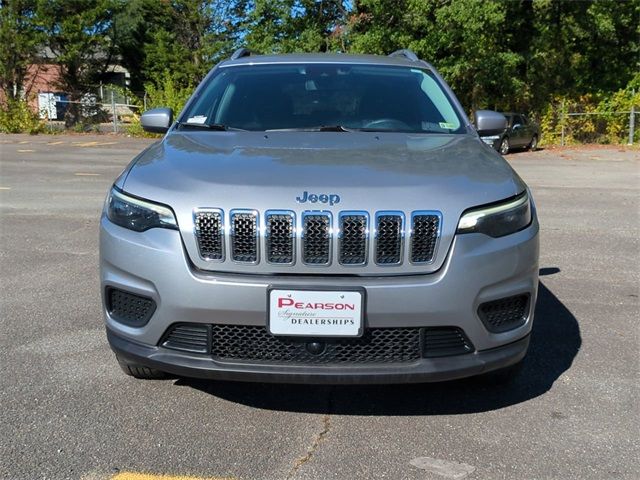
(598, 127)
(103, 108)
(589, 123)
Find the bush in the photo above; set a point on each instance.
(605, 119)
(17, 117)
(167, 92)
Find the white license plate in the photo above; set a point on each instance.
(316, 313)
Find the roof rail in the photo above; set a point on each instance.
(241, 52)
(406, 53)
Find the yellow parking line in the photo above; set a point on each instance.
(150, 476)
(55, 143)
(5, 188)
(25, 151)
(91, 144)
(82, 174)
(23, 142)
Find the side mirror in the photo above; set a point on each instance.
(489, 122)
(157, 120)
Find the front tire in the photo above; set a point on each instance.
(140, 371)
(534, 143)
(504, 146)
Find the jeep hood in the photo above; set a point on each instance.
(369, 171)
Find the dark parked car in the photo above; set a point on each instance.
(520, 133)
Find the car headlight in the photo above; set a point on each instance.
(498, 220)
(137, 214)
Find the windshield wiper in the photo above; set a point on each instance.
(321, 128)
(211, 126)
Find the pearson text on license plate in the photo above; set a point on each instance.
(316, 313)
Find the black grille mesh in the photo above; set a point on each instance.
(129, 308)
(424, 238)
(445, 341)
(244, 239)
(280, 238)
(389, 239)
(377, 345)
(209, 234)
(253, 343)
(504, 314)
(317, 240)
(189, 337)
(353, 240)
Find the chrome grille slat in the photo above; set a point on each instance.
(280, 237)
(425, 231)
(389, 238)
(353, 238)
(316, 238)
(209, 231)
(244, 236)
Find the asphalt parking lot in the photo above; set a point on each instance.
(67, 411)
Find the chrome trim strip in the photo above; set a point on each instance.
(418, 213)
(223, 233)
(395, 213)
(354, 213)
(294, 235)
(232, 214)
(324, 213)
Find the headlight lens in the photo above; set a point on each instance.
(498, 220)
(136, 214)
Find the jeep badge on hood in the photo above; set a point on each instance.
(331, 198)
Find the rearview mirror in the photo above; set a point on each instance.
(489, 122)
(157, 120)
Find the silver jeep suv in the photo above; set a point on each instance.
(319, 219)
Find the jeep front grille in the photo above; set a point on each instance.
(353, 233)
(244, 236)
(389, 233)
(386, 238)
(425, 227)
(316, 238)
(280, 237)
(210, 233)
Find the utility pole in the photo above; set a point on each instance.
(113, 112)
(632, 120)
(562, 119)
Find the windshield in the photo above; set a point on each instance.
(312, 96)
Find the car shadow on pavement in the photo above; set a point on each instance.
(554, 344)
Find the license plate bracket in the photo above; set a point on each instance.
(315, 311)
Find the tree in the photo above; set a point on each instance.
(467, 40)
(198, 34)
(20, 40)
(280, 26)
(136, 22)
(581, 47)
(80, 35)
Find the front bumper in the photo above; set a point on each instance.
(425, 370)
(478, 269)
(493, 141)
